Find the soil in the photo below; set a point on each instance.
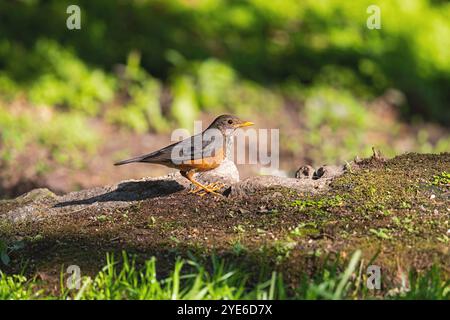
(396, 211)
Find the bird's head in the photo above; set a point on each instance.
(229, 123)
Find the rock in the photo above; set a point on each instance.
(34, 195)
(328, 172)
(308, 172)
(226, 173)
(304, 172)
(272, 172)
(251, 185)
(39, 203)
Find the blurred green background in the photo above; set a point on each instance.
(74, 101)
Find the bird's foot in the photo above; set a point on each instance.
(210, 188)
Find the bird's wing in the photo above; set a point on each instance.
(192, 148)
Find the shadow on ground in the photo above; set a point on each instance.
(131, 191)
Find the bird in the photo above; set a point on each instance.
(202, 152)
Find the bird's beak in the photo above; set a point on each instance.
(245, 124)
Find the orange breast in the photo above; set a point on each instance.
(204, 164)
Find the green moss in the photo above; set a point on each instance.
(305, 230)
(441, 179)
(318, 203)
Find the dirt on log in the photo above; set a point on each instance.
(396, 211)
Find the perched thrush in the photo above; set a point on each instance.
(202, 152)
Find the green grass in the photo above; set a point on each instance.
(219, 279)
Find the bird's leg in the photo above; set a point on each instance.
(189, 175)
(195, 189)
(216, 185)
(212, 186)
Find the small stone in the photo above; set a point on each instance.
(304, 172)
(432, 196)
(263, 209)
(243, 211)
(277, 195)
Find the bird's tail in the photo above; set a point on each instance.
(137, 159)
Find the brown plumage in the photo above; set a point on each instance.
(202, 152)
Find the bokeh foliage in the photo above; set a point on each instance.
(266, 41)
(147, 65)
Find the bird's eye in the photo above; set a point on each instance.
(230, 121)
